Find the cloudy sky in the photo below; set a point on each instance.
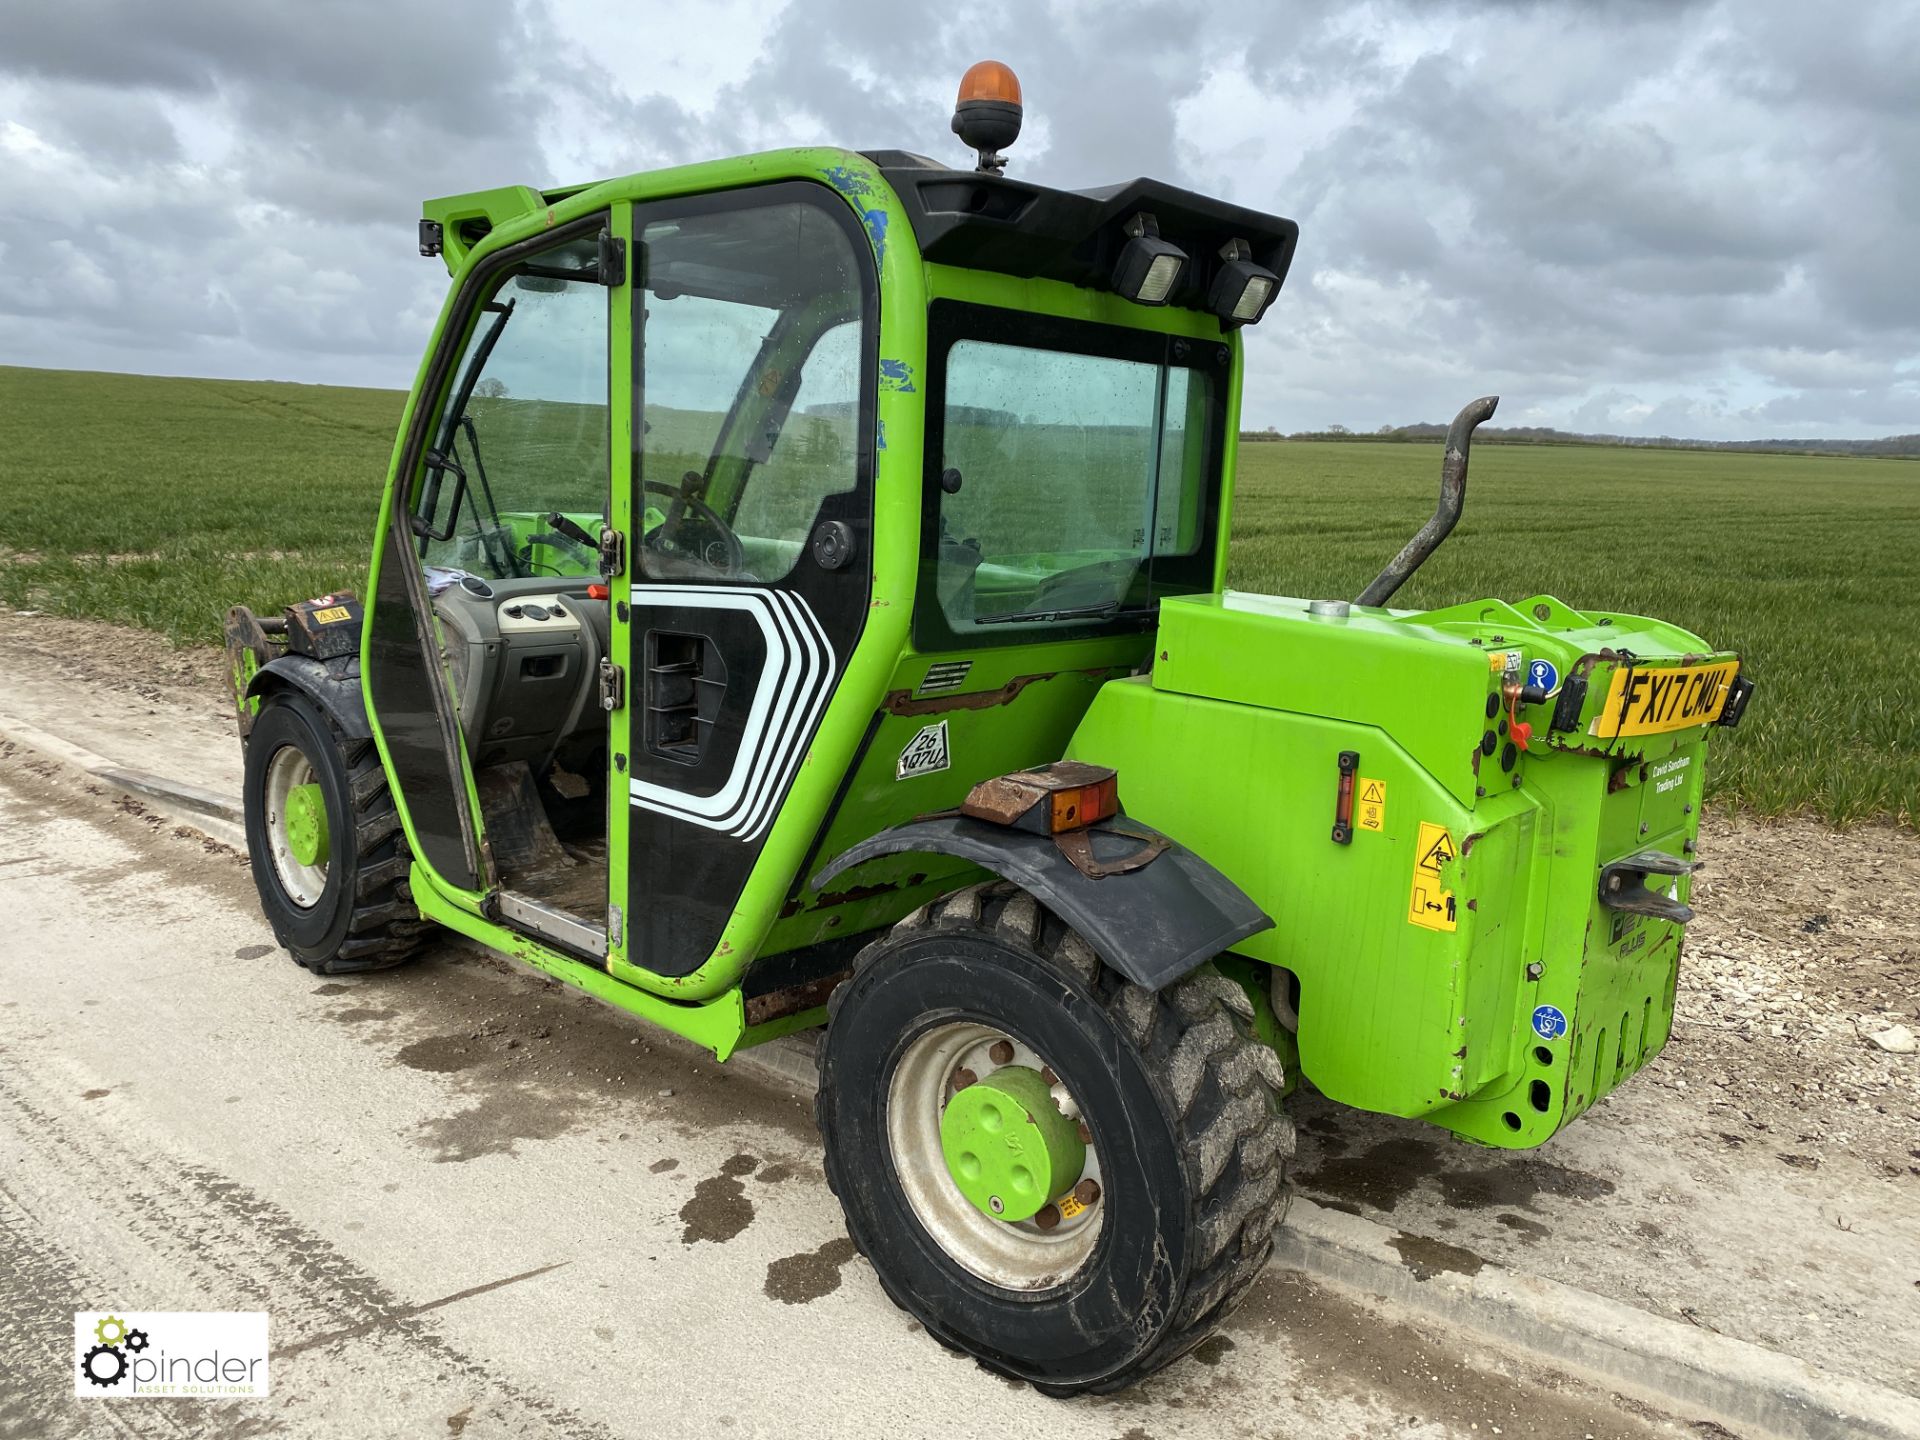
(1643, 216)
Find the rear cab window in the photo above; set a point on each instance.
(1073, 476)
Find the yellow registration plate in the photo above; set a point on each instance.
(1647, 701)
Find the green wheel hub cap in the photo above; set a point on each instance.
(306, 821)
(1007, 1145)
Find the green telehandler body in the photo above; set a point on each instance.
(798, 599)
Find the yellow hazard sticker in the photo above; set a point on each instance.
(1370, 804)
(1429, 903)
(331, 616)
(1069, 1206)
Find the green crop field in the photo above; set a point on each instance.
(161, 502)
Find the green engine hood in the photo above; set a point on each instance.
(1426, 677)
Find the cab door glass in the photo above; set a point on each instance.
(521, 489)
(750, 395)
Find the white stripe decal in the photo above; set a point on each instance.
(788, 699)
(813, 684)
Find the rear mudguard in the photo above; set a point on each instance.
(333, 685)
(1153, 924)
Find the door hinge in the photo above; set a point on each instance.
(613, 686)
(612, 266)
(615, 933)
(613, 552)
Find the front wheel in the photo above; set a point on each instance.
(1061, 1173)
(329, 857)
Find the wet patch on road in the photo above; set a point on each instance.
(661, 1167)
(1388, 1171)
(252, 952)
(1516, 1183)
(95, 1094)
(1530, 1231)
(1213, 1349)
(440, 1054)
(332, 987)
(1381, 1176)
(1427, 1258)
(804, 1278)
(360, 1015)
(500, 1121)
(719, 1209)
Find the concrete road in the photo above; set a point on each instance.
(476, 1204)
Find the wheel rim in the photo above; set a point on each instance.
(296, 827)
(1034, 1253)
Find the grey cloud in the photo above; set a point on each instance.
(1712, 205)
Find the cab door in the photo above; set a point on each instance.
(754, 319)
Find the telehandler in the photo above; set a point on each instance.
(787, 567)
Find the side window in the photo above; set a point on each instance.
(1076, 471)
(525, 435)
(749, 388)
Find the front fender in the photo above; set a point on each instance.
(333, 685)
(1153, 925)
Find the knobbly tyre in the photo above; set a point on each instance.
(786, 566)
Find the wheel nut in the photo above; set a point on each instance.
(996, 1204)
(1086, 1135)
(963, 1077)
(1087, 1191)
(1046, 1074)
(1048, 1217)
(1001, 1052)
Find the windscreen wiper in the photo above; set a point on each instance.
(1104, 611)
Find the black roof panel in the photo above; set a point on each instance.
(988, 222)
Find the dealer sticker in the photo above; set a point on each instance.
(926, 753)
(1549, 1022)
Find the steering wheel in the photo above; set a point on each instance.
(665, 538)
(1091, 584)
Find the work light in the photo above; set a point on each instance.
(1148, 267)
(1241, 290)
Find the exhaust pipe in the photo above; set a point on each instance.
(1453, 499)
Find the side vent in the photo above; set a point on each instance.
(686, 683)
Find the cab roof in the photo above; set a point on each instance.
(977, 220)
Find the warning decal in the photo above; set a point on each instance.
(1371, 807)
(1430, 904)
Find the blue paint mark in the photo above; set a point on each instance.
(880, 442)
(1549, 1022)
(859, 188)
(896, 375)
(846, 180)
(876, 223)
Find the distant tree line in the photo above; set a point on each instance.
(1425, 434)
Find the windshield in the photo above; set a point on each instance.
(1074, 484)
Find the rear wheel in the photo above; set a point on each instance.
(329, 857)
(1059, 1172)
